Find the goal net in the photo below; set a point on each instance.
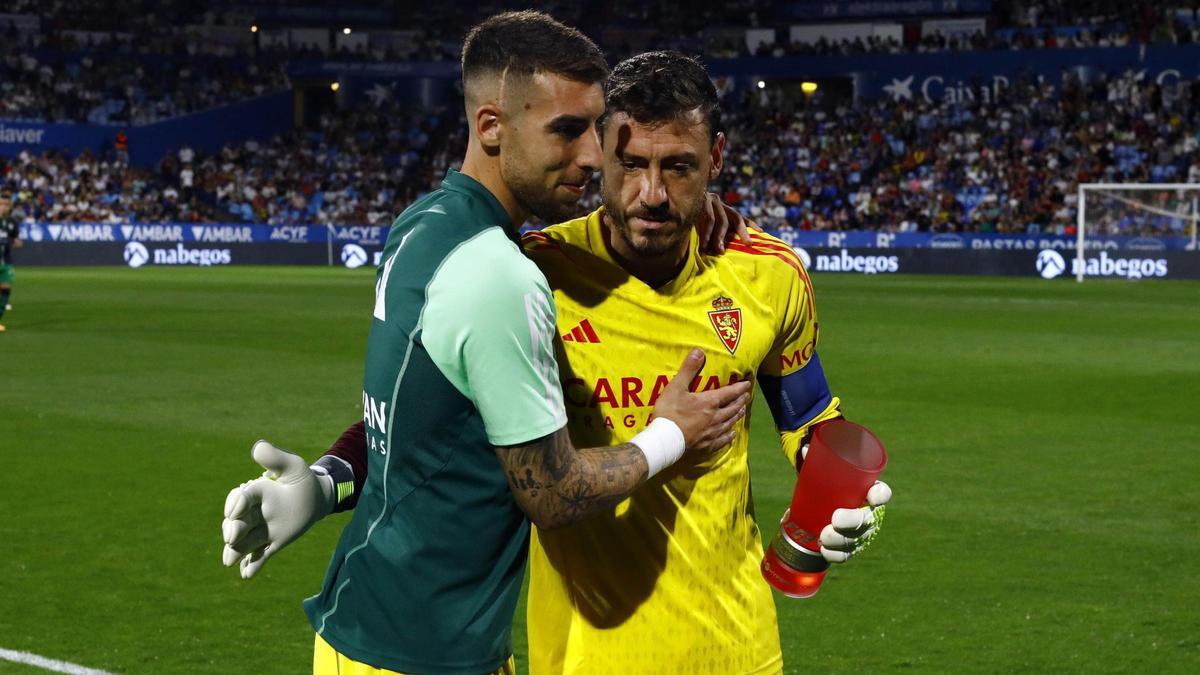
(1144, 215)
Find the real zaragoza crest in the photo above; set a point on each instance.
(727, 321)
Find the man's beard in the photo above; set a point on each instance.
(648, 246)
(533, 196)
(651, 244)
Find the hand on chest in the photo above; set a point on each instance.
(619, 355)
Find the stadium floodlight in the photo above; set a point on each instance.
(808, 87)
(1162, 209)
(335, 86)
(346, 30)
(762, 84)
(253, 28)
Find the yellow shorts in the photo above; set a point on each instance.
(327, 661)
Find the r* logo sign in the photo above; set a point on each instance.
(136, 254)
(1050, 264)
(353, 256)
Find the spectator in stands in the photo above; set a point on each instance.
(1011, 165)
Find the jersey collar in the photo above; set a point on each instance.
(456, 181)
(598, 241)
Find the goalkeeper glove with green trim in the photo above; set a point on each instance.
(268, 513)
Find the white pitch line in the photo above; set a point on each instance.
(48, 664)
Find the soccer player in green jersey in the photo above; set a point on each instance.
(462, 410)
(9, 234)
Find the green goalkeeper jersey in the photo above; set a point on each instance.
(460, 358)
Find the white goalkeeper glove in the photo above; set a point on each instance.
(268, 513)
(851, 530)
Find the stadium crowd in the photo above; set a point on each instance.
(887, 165)
(1009, 166)
(361, 166)
(112, 63)
(116, 89)
(62, 80)
(716, 30)
(1042, 24)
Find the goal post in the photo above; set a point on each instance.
(1138, 209)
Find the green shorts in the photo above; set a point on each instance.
(6, 274)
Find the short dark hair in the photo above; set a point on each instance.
(528, 42)
(658, 87)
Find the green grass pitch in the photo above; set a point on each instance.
(1043, 439)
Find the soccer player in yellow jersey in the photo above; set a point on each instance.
(668, 581)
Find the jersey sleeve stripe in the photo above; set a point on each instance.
(538, 241)
(791, 253)
(793, 261)
(770, 242)
(767, 241)
(534, 237)
(776, 245)
(779, 247)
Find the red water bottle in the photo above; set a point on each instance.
(844, 460)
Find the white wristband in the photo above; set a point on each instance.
(661, 442)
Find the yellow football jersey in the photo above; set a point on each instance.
(668, 581)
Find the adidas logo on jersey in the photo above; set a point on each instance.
(582, 333)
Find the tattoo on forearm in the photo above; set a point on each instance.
(528, 482)
(558, 485)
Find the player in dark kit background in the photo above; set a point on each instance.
(9, 239)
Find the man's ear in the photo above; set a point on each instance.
(488, 127)
(718, 156)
